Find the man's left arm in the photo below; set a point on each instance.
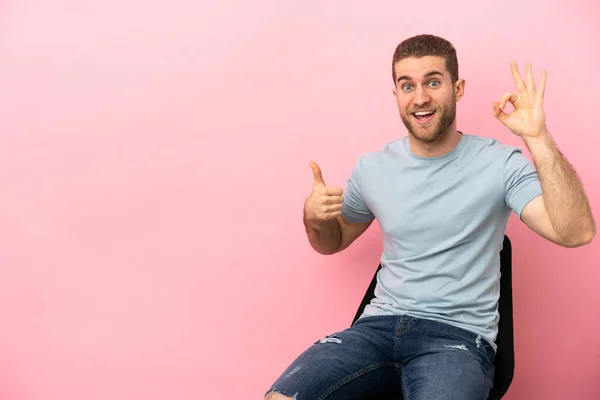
(562, 213)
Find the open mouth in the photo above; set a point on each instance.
(423, 117)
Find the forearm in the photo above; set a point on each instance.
(564, 197)
(324, 236)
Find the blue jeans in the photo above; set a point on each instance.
(385, 357)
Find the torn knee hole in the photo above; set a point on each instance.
(457, 346)
(330, 339)
(275, 395)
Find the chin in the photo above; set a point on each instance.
(425, 137)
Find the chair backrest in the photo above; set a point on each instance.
(505, 356)
(505, 359)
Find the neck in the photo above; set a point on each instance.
(442, 145)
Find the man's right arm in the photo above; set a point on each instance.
(334, 235)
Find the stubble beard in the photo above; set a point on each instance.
(431, 134)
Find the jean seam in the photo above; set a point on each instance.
(405, 381)
(355, 375)
(398, 331)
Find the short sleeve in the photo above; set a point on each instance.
(354, 207)
(521, 181)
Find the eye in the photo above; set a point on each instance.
(434, 83)
(406, 87)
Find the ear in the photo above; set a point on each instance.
(395, 92)
(459, 89)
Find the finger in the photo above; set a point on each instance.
(517, 77)
(334, 208)
(333, 200)
(508, 97)
(333, 191)
(540, 93)
(318, 176)
(335, 214)
(529, 78)
(498, 113)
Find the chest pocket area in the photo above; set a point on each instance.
(416, 218)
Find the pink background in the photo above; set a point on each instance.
(154, 163)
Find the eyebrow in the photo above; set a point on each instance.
(427, 75)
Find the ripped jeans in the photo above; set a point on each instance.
(392, 357)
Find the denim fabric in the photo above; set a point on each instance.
(389, 356)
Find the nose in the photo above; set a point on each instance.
(421, 96)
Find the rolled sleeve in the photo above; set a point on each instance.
(521, 181)
(354, 207)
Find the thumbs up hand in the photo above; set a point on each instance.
(324, 202)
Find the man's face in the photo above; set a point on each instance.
(426, 96)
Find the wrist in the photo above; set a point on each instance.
(543, 137)
(313, 224)
(543, 148)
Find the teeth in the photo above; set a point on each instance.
(422, 113)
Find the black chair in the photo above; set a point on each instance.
(504, 363)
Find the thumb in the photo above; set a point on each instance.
(317, 174)
(498, 113)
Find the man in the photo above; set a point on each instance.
(442, 199)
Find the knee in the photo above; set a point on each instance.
(277, 396)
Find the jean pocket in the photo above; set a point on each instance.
(486, 350)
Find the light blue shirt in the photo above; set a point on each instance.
(443, 221)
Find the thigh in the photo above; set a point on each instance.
(448, 372)
(353, 364)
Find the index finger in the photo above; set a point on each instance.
(521, 87)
